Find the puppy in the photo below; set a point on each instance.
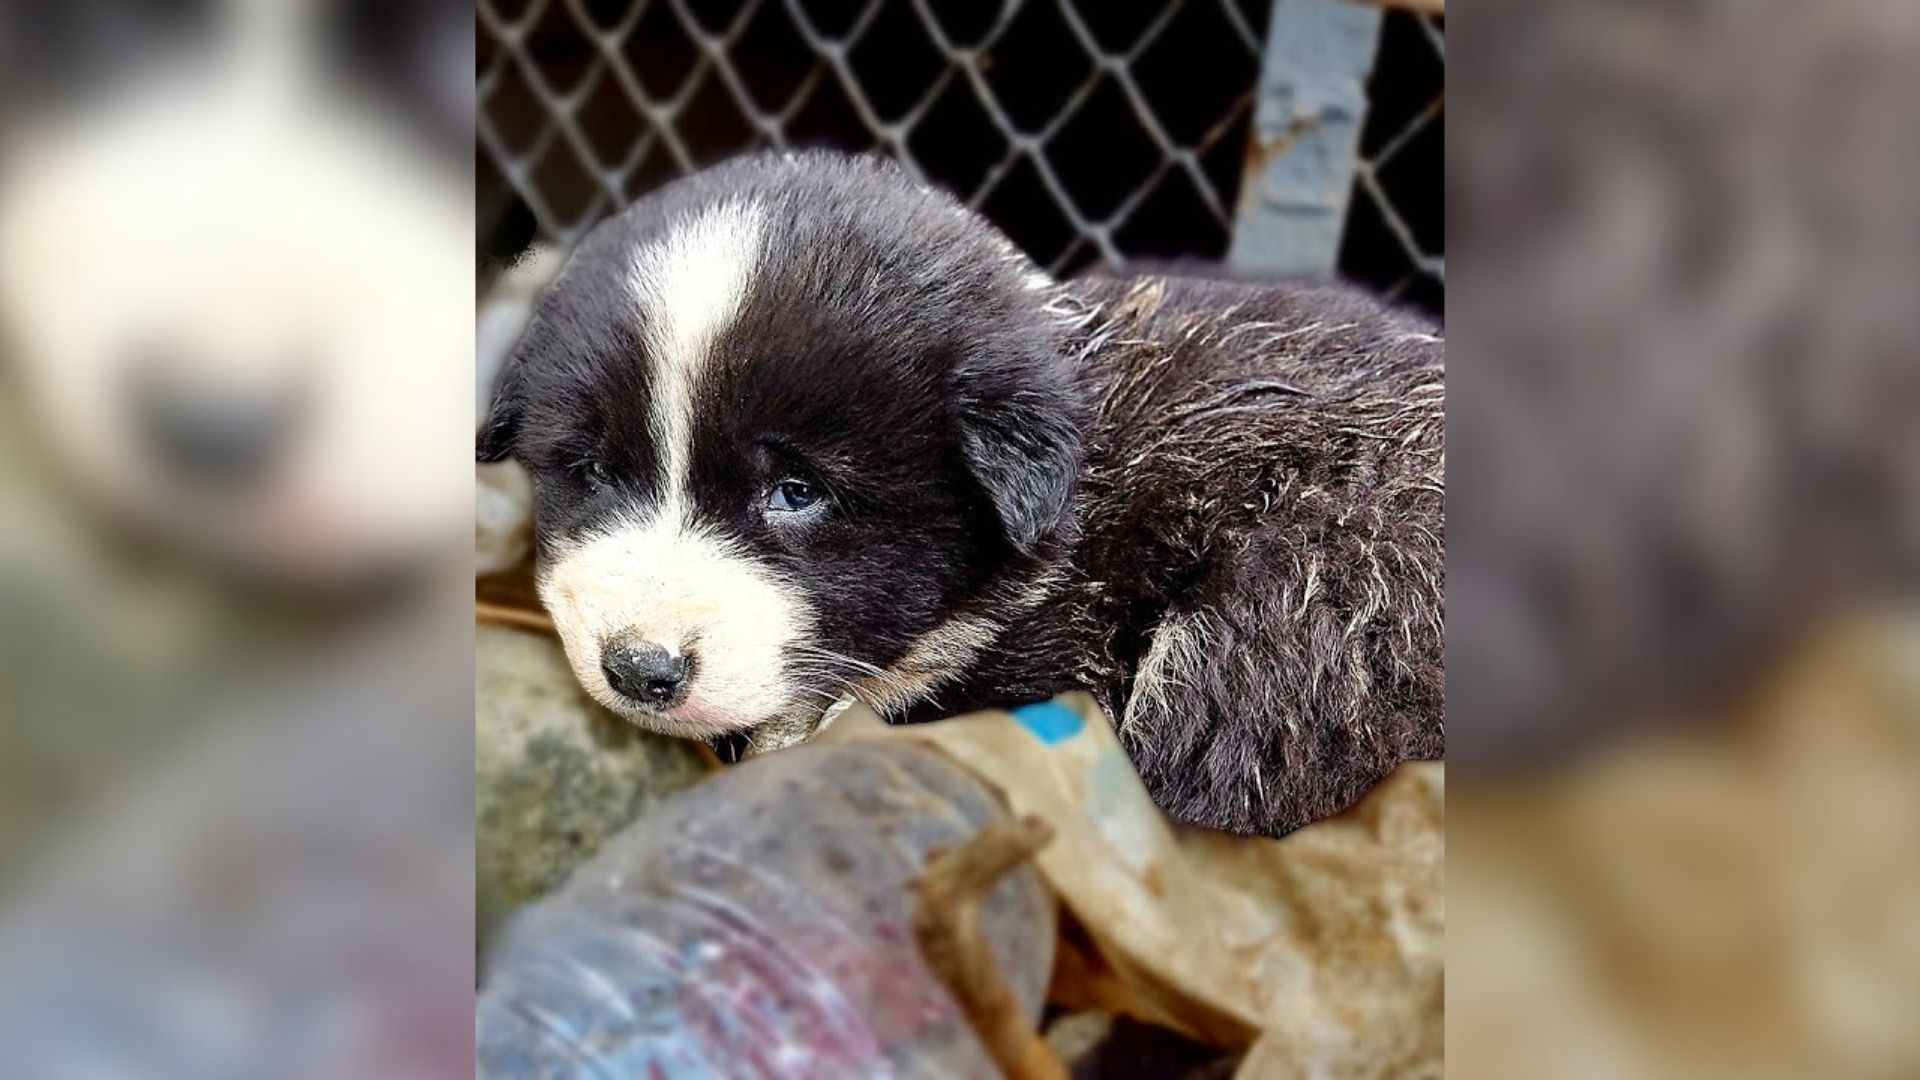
(234, 263)
(801, 429)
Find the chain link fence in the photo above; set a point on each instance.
(1092, 132)
(1395, 232)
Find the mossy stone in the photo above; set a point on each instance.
(555, 774)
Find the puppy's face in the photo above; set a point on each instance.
(786, 419)
(233, 271)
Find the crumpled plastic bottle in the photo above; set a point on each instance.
(759, 924)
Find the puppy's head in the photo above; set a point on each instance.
(234, 266)
(785, 418)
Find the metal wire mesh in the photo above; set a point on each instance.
(1091, 131)
(1396, 223)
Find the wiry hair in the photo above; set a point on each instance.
(1257, 594)
(1218, 506)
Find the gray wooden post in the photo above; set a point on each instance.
(1299, 172)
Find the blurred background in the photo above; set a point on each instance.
(235, 507)
(1684, 754)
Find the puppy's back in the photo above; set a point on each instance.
(1265, 498)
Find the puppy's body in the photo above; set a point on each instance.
(801, 429)
(1256, 592)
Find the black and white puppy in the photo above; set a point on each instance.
(234, 249)
(801, 429)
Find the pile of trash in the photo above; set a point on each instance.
(992, 894)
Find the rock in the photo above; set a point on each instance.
(555, 774)
(503, 517)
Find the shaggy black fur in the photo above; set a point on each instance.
(1256, 595)
(1218, 506)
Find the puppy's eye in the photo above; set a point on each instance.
(595, 472)
(793, 494)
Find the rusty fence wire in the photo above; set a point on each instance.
(1093, 132)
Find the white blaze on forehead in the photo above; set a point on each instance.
(687, 591)
(661, 576)
(689, 286)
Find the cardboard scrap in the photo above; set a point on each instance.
(1321, 954)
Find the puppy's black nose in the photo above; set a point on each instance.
(212, 436)
(645, 672)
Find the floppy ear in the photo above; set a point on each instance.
(1020, 434)
(501, 429)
